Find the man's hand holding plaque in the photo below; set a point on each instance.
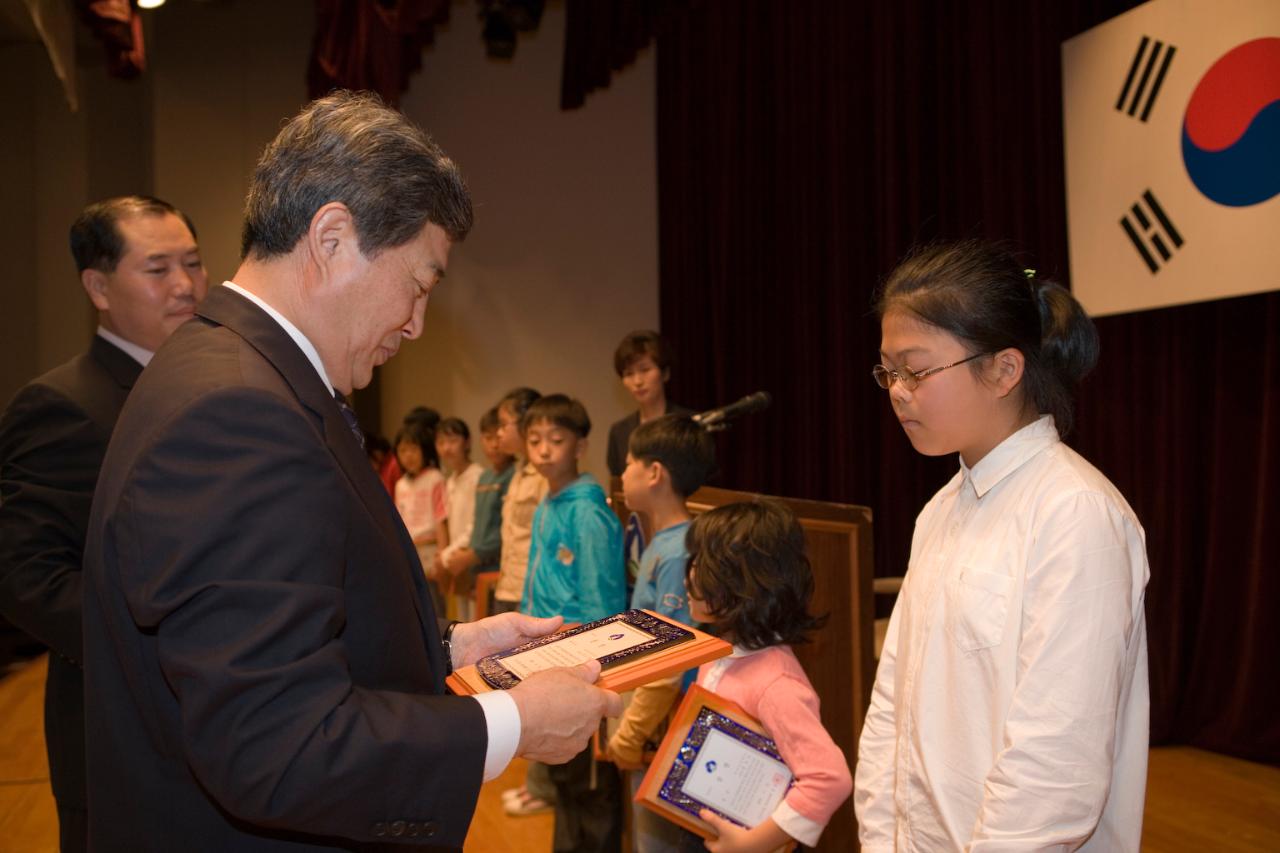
(634, 647)
(559, 708)
(559, 711)
(472, 641)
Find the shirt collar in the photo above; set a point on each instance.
(308, 349)
(678, 529)
(137, 353)
(1009, 455)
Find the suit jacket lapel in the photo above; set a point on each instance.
(118, 363)
(228, 308)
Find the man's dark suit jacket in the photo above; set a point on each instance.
(264, 667)
(53, 436)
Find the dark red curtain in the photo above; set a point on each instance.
(117, 25)
(600, 38)
(371, 45)
(1183, 414)
(803, 147)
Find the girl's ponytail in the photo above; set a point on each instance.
(1068, 349)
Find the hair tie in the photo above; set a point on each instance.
(1032, 284)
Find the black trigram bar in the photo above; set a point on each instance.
(1155, 230)
(1159, 53)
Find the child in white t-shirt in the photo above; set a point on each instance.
(453, 444)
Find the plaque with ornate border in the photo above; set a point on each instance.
(673, 648)
(701, 712)
(663, 633)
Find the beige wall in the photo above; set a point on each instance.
(131, 136)
(54, 162)
(564, 257)
(562, 261)
(19, 340)
(226, 75)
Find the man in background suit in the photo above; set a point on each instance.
(265, 670)
(140, 266)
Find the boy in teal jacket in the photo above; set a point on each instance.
(575, 571)
(575, 556)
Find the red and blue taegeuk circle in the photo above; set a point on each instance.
(1231, 130)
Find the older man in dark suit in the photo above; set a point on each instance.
(265, 668)
(141, 268)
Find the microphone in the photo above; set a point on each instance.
(718, 419)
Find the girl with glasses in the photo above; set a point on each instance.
(1011, 703)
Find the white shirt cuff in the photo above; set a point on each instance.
(502, 719)
(796, 825)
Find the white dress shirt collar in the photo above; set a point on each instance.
(137, 353)
(308, 349)
(1011, 454)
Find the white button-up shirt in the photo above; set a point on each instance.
(1010, 709)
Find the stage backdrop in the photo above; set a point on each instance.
(802, 149)
(1172, 120)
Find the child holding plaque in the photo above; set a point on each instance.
(750, 578)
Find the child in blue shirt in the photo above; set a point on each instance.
(575, 571)
(668, 459)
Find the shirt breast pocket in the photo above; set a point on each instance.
(978, 608)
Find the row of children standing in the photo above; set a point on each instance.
(560, 552)
(450, 505)
(548, 531)
(1010, 677)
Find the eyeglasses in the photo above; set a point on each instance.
(910, 379)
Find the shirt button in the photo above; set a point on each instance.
(397, 828)
(379, 829)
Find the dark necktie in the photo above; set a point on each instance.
(349, 415)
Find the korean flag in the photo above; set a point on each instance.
(1172, 121)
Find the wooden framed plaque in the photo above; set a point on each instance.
(718, 757)
(634, 647)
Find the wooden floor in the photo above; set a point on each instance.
(1196, 801)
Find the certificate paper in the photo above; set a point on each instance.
(603, 641)
(736, 780)
(614, 641)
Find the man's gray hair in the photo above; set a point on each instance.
(352, 148)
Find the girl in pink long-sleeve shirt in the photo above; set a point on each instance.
(750, 577)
